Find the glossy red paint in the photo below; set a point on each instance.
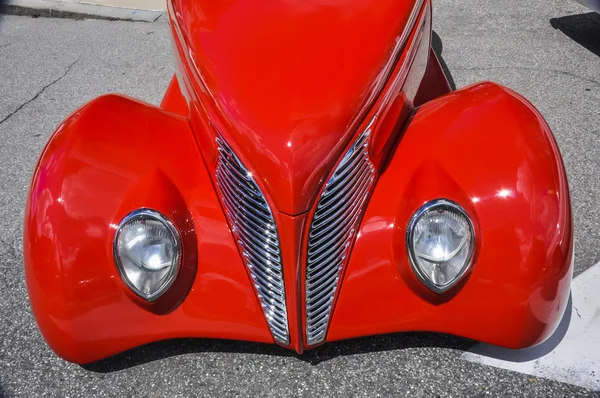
(291, 230)
(490, 151)
(289, 101)
(174, 101)
(434, 83)
(113, 156)
(405, 68)
(289, 82)
(389, 112)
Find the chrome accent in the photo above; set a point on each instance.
(431, 205)
(145, 213)
(411, 54)
(384, 76)
(253, 224)
(332, 231)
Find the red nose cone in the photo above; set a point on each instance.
(290, 79)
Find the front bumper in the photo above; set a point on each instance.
(483, 147)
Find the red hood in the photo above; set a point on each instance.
(290, 80)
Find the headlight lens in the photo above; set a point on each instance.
(441, 242)
(147, 250)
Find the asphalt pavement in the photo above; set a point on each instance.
(548, 50)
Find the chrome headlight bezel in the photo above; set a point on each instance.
(440, 203)
(149, 214)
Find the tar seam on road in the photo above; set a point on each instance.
(40, 92)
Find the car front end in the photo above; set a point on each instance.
(310, 176)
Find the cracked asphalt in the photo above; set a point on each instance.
(548, 50)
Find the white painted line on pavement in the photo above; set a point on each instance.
(572, 354)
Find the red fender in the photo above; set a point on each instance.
(109, 158)
(489, 150)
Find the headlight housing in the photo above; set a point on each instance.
(147, 250)
(441, 241)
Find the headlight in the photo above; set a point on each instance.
(147, 250)
(441, 241)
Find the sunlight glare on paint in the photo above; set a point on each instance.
(504, 193)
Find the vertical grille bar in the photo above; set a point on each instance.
(257, 235)
(331, 233)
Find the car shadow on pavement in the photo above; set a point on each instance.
(532, 353)
(436, 43)
(380, 343)
(581, 28)
(175, 347)
(3, 6)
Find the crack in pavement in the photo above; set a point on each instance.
(5, 45)
(41, 91)
(577, 311)
(562, 72)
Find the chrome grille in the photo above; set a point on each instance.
(332, 231)
(256, 231)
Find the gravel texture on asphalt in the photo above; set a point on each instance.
(548, 50)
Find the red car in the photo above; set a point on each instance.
(310, 176)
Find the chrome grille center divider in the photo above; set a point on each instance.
(254, 226)
(332, 231)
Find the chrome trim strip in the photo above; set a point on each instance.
(332, 231)
(254, 226)
(386, 72)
